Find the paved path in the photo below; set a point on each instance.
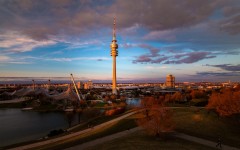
(75, 134)
(203, 141)
(103, 139)
(17, 100)
(123, 133)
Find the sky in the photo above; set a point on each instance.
(194, 40)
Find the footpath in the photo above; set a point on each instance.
(17, 100)
(123, 133)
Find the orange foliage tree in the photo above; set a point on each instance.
(177, 97)
(226, 103)
(196, 94)
(157, 118)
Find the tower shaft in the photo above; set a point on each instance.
(114, 54)
(114, 76)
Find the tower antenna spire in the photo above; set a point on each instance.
(114, 28)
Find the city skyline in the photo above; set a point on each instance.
(192, 40)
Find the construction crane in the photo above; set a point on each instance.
(49, 84)
(75, 87)
(33, 84)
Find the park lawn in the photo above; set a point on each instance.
(96, 121)
(141, 141)
(11, 105)
(198, 122)
(119, 126)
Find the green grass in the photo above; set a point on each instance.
(122, 125)
(141, 141)
(94, 122)
(97, 121)
(200, 123)
(100, 105)
(11, 105)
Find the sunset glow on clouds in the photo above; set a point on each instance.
(194, 40)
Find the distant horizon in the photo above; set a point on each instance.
(55, 80)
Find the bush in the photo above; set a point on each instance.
(199, 102)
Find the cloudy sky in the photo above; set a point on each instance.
(195, 40)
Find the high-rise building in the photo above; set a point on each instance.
(80, 85)
(170, 81)
(88, 85)
(114, 54)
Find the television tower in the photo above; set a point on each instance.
(114, 54)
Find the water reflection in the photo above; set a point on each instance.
(18, 126)
(133, 102)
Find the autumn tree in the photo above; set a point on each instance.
(177, 97)
(198, 94)
(226, 103)
(113, 97)
(106, 98)
(122, 97)
(157, 118)
(167, 98)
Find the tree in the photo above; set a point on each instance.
(177, 97)
(113, 97)
(122, 97)
(226, 103)
(167, 98)
(157, 119)
(197, 94)
(106, 98)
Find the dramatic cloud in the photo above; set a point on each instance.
(174, 58)
(142, 59)
(13, 42)
(222, 74)
(9, 60)
(166, 35)
(192, 57)
(164, 14)
(227, 67)
(76, 58)
(4, 58)
(231, 25)
(148, 32)
(153, 51)
(40, 19)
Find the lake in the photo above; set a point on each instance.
(19, 126)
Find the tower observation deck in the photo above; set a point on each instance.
(114, 54)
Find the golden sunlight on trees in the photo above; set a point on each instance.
(226, 103)
(157, 119)
(197, 94)
(177, 97)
